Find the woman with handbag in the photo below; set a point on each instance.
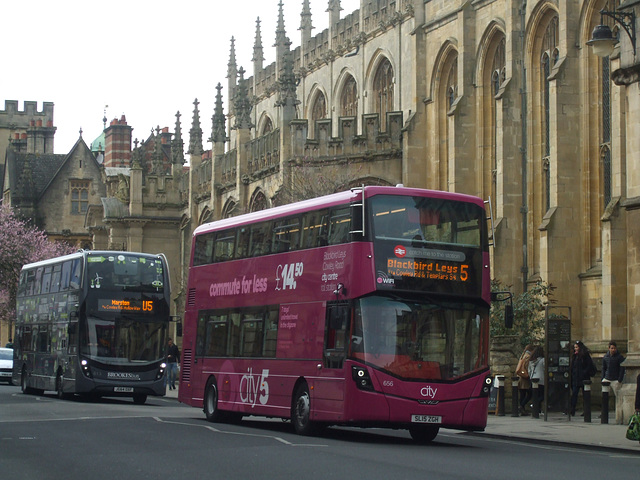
(524, 384)
(582, 368)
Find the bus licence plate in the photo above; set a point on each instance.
(426, 419)
(123, 389)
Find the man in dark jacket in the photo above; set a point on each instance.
(173, 360)
(613, 372)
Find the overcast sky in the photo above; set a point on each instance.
(146, 59)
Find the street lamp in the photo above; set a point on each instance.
(602, 39)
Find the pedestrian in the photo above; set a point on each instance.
(582, 368)
(524, 384)
(613, 372)
(536, 371)
(173, 359)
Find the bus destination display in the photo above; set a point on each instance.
(417, 269)
(132, 306)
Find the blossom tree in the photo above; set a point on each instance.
(20, 243)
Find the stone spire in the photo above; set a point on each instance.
(195, 134)
(305, 22)
(232, 70)
(281, 34)
(258, 52)
(287, 84)
(177, 145)
(156, 157)
(136, 162)
(218, 131)
(242, 104)
(334, 12)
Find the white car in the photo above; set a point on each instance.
(6, 365)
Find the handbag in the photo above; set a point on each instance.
(633, 430)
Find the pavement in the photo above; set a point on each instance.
(561, 430)
(558, 429)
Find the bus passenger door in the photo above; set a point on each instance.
(337, 322)
(329, 388)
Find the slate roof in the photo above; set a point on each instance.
(31, 173)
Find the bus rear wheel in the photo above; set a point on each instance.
(423, 434)
(211, 402)
(59, 387)
(24, 383)
(301, 412)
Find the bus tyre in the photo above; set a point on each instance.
(423, 434)
(211, 402)
(301, 411)
(139, 398)
(24, 382)
(59, 387)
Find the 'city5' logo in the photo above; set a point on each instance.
(254, 388)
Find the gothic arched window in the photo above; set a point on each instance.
(267, 126)
(549, 56)
(318, 112)
(452, 83)
(258, 202)
(383, 91)
(229, 209)
(349, 98)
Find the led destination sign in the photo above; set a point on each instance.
(135, 306)
(439, 270)
(432, 270)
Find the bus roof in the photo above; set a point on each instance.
(82, 253)
(329, 201)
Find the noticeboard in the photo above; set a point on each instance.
(558, 361)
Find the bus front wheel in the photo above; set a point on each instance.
(139, 398)
(423, 434)
(301, 412)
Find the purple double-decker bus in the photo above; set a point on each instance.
(367, 308)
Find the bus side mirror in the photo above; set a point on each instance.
(71, 329)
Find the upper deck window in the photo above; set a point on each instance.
(125, 272)
(426, 220)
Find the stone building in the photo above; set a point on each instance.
(502, 99)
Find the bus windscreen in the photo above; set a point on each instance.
(123, 272)
(418, 339)
(428, 244)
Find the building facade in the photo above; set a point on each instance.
(502, 99)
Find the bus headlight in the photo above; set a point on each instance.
(486, 386)
(84, 364)
(361, 376)
(161, 370)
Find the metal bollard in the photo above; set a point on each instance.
(586, 400)
(535, 412)
(604, 416)
(500, 380)
(515, 404)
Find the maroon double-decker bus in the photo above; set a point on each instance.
(368, 307)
